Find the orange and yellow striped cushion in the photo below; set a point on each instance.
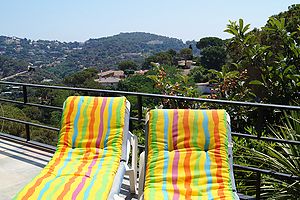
(88, 154)
(188, 155)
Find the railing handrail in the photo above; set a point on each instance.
(217, 101)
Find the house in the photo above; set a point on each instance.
(141, 72)
(185, 64)
(108, 81)
(112, 73)
(110, 77)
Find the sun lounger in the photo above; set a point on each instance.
(91, 156)
(188, 155)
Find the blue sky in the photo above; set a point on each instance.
(70, 20)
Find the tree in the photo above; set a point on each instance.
(174, 84)
(213, 57)
(12, 128)
(9, 66)
(127, 65)
(163, 58)
(34, 113)
(137, 83)
(172, 52)
(199, 74)
(271, 57)
(186, 54)
(82, 78)
(209, 42)
(292, 20)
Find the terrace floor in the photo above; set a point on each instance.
(20, 163)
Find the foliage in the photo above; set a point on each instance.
(212, 51)
(55, 118)
(32, 112)
(84, 78)
(12, 128)
(128, 64)
(278, 157)
(64, 69)
(137, 83)
(271, 57)
(231, 85)
(209, 42)
(292, 20)
(163, 58)
(199, 74)
(10, 66)
(186, 54)
(173, 84)
(213, 57)
(44, 136)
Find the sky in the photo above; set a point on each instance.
(78, 20)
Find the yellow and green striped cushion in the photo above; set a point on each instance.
(188, 155)
(88, 153)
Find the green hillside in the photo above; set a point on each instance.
(102, 53)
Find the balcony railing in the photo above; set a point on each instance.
(139, 118)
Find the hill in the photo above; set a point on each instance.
(9, 66)
(64, 58)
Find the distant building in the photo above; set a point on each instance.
(154, 64)
(46, 80)
(112, 73)
(110, 77)
(141, 72)
(186, 64)
(108, 81)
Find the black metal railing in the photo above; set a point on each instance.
(139, 118)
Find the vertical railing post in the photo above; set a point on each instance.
(260, 122)
(27, 130)
(259, 129)
(140, 107)
(258, 184)
(130, 125)
(25, 99)
(25, 94)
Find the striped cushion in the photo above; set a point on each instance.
(88, 154)
(187, 155)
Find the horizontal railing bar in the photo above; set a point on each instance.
(240, 103)
(11, 101)
(29, 123)
(265, 171)
(137, 119)
(31, 104)
(44, 106)
(269, 139)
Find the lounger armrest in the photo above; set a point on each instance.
(132, 171)
(141, 175)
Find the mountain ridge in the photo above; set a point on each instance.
(95, 52)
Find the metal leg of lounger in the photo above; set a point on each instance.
(141, 175)
(132, 172)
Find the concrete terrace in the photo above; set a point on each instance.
(20, 163)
